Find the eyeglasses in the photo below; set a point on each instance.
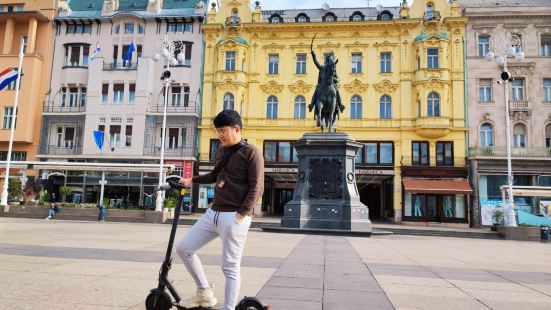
(222, 132)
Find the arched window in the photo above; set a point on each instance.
(271, 111)
(330, 17)
(234, 17)
(519, 135)
(486, 135)
(228, 101)
(548, 136)
(385, 107)
(357, 18)
(429, 14)
(302, 18)
(275, 19)
(433, 104)
(300, 107)
(356, 107)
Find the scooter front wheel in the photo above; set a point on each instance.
(250, 303)
(158, 301)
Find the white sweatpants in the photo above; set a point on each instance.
(233, 236)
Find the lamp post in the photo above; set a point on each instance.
(166, 51)
(508, 46)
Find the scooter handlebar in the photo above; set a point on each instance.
(170, 185)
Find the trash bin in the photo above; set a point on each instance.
(544, 231)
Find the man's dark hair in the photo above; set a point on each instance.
(228, 118)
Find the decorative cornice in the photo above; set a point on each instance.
(328, 45)
(228, 85)
(521, 68)
(271, 87)
(357, 44)
(433, 83)
(300, 45)
(273, 45)
(385, 87)
(356, 87)
(300, 88)
(384, 43)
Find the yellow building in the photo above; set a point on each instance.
(401, 80)
(32, 21)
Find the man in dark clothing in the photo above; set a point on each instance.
(239, 176)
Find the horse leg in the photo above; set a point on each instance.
(318, 108)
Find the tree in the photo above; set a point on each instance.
(14, 189)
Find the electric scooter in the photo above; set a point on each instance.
(159, 298)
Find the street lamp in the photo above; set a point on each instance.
(166, 51)
(508, 46)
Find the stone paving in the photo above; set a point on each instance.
(87, 265)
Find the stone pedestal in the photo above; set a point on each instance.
(326, 195)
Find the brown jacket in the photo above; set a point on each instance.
(240, 184)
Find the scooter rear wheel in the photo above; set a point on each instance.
(250, 303)
(156, 301)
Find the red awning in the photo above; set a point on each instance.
(437, 187)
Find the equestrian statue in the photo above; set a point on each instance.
(326, 100)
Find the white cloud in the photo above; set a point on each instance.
(314, 4)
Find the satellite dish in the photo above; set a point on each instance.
(379, 7)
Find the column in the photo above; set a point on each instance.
(8, 36)
(31, 35)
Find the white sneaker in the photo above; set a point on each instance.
(204, 297)
(49, 217)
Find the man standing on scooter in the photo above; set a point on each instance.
(239, 176)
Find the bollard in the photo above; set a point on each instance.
(544, 232)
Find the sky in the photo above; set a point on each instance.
(311, 4)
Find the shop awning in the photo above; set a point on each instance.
(437, 187)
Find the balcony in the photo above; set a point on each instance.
(501, 151)
(431, 16)
(122, 65)
(519, 105)
(432, 127)
(158, 108)
(170, 152)
(233, 21)
(50, 107)
(434, 161)
(68, 148)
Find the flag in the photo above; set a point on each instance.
(7, 76)
(131, 49)
(96, 51)
(98, 137)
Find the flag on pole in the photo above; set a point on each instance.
(98, 137)
(131, 50)
(96, 51)
(7, 76)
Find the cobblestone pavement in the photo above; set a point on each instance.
(86, 265)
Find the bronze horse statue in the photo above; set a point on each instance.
(326, 99)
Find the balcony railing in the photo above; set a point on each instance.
(433, 161)
(158, 108)
(431, 16)
(65, 149)
(170, 152)
(56, 108)
(116, 65)
(501, 151)
(519, 104)
(233, 21)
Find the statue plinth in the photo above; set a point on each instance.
(326, 195)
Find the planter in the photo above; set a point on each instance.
(520, 233)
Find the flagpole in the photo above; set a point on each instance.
(4, 199)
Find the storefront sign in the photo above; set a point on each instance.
(487, 210)
(188, 169)
(374, 172)
(545, 208)
(281, 170)
(177, 163)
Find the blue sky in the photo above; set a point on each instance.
(311, 4)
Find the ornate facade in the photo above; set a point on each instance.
(401, 81)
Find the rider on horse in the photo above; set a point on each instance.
(329, 60)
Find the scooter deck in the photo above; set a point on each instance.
(196, 308)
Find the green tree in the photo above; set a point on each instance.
(14, 189)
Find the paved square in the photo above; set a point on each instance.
(87, 265)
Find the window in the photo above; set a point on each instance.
(376, 153)
(179, 27)
(131, 93)
(518, 48)
(429, 14)
(517, 89)
(173, 134)
(79, 29)
(73, 97)
(444, 153)
(330, 18)
(228, 101)
(357, 63)
(271, 111)
(483, 45)
(141, 29)
(104, 93)
(356, 107)
(432, 58)
(485, 90)
(185, 49)
(230, 61)
(24, 44)
(186, 96)
(117, 29)
(125, 49)
(76, 55)
(300, 107)
(302, 19)
(128, 28)
(548, 136)
(68, 137)
(486, 135)
(8, 114)
(545, 45)
(385, 62)
(214, 145)
(357, 18)
(276, 20)
(15, 156)
(547, 90)
(433, 105)
(118, 93)
(273, 64)
(128, 136)
(279, 151)
(301, 64)
(385, 107)
(83, 97)
(63, 96)
(519, 135)
(176, 94)
(114, 135)
(420, 153)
